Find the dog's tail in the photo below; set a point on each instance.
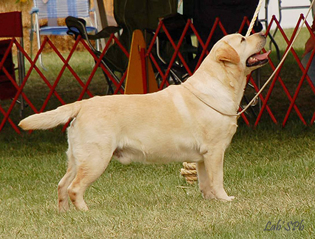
(52, 118)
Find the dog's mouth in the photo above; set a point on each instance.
(257, 59)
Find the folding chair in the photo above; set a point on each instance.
(137, 14)
(12, 28)
(285, 7)
(145, 15)
(282, 7)
(77, 27)
(52, 10)
(129, 15)
(175, 26)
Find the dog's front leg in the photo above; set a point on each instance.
(204, 181)
(211, 176)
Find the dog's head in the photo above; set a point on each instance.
(241, 51)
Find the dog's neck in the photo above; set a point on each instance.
(230, 82)
(235, 81)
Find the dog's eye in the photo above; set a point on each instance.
(243, 39)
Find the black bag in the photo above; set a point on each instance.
(7, 89)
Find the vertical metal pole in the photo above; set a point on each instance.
(101, 18)
(21, 69)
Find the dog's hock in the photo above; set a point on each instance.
(227, 53)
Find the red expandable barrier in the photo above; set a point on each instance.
(164, 73)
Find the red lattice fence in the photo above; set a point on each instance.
(265, 98)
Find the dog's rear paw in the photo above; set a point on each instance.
(63, 205)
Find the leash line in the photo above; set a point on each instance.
(280, 63)
(207, 104)
(273, 73)
(251, 25)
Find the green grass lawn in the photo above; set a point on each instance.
(269, 169)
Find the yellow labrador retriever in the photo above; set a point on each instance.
(185, 122)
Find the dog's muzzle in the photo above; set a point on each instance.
(257, 59)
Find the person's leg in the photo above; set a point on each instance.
(311, 70)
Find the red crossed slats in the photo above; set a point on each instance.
(304, 71)
(6, 114)
(176, 55)
(277, 77)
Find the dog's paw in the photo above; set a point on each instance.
(63, 209)
(227, 199)
(207, 195)
(63, 206)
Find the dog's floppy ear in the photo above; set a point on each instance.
(227, 53)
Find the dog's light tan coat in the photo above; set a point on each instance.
(170, 125)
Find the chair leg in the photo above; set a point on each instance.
(97, 44)
(31, 37)
(110, 89)
(39, 43)
(31, 42)
(40, 55)
(21, 67)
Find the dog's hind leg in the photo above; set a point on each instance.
(88, 170)
(64, 183)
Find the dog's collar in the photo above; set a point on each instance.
(207, 104)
